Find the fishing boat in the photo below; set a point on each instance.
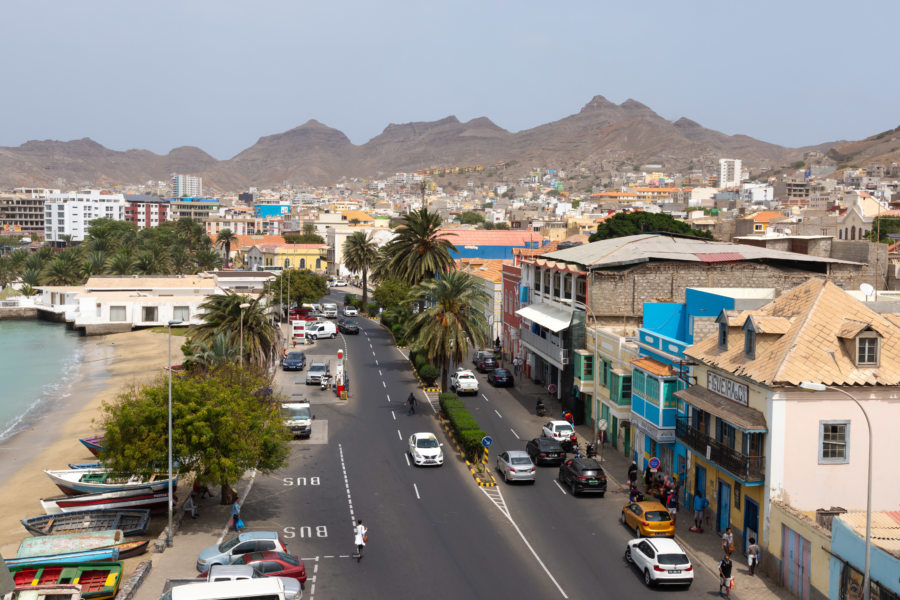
(93, 481)
(68, 542)
(90, 465)
(98, 581)
(94, 444)
(129, 549)
(45, 592)
(109, 553)
(156, 502)
(131, 522)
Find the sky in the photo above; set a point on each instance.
(219, 74)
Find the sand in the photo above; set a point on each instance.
(111, 364)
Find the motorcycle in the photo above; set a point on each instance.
(590, 450)
(325, 381)
(540, 409)
(570, 445)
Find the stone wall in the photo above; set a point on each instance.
(18, 312)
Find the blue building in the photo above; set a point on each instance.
(490, 244)
(271, 210)
(848, 548)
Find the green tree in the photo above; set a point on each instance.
(94, 263)
(207, 260)
(309, 228)
(391, 293)
(224, 239)
(223, 312)
(221, 427)
(304, 287)
(419, 251)
(884, 226)
(121, 263)
(61, 271)
(471, 218)
(360, 254)
(221, 351)
(501, 225)
(636, 223)
(453, 321)
(303, 238)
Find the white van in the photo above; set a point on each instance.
(267, 588)
(297, 417)
(329, 310)
(322, 329)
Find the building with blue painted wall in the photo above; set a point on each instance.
(271, 210)
(490, 244)
(848, 547)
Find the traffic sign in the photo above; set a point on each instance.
(551, 388)
(654, 463)
(602, 425)
(486, 441)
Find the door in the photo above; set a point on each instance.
(723, 514)
(751, 521)
(795, 555)
(699, 480)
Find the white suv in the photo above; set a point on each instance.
(660, 560)
(464, 382)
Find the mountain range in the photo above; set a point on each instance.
(602, 135)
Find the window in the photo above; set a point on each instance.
(626, 387)
(749, 343)
(182, 313)
(149, 314)
(588, 367)
(723, 336)
(116, 313)
(833, 440)
(867, 349)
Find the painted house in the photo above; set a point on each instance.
(848, 547)
(490, 243)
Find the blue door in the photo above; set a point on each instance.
(723, 514)
(751, 521)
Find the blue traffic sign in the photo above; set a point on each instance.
(486, 441)
(654, 463)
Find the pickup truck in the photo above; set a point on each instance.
(292, 587)
(315, 373)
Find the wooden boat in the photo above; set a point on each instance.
(45, 592)
(129, 549)
(68, 542)
(98, 581)
(90, 465)
(156, 502)
(131, 522)
(94, 444)
(67, 558)
(94, 481)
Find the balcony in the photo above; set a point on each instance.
(545, 347)
(747, 468)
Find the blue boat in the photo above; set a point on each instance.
(93, 465)
(67, 558)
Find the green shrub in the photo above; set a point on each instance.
(429, 373)
(420, 362)
(397, 330)
(449, 400)
(470, 440)
(461, 420)
(372, 309)
(349, 299)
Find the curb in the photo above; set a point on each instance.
(478, 477)
(128, 589)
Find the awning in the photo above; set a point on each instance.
(553, 318)
(742, 417)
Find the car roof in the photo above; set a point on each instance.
(545, 441)
(588, 463)
(666, 546)
(649, 505)
(258, 535)
(425, 434)
(501, 371)
(562, 423)
(465, 373)
(269, 555)
(518, 454)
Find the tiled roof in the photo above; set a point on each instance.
(802, 340)
(885, 528)
(359, 215)
(486, 269)
(654, 366)
(548, 247)
(291, 246)
(491, 237)
(245, 241)
(766, 216)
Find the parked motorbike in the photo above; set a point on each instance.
(325, 382)
(590, 450)
(570, 445)
(540, 409)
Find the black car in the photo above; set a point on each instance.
(500, 377)
(293, 361)
(545, 451)
(583, 475)
(486, 364)
(348, 326)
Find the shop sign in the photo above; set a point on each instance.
(727, 388)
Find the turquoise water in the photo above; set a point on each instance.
(37, 362)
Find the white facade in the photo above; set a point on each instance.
(187, 186)
(757, 193)
(71, 213)
(729, 172)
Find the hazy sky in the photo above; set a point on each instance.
(218, 74)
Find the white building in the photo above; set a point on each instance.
(757, 193)
(729, 172)
(71, 213)
(187, 186)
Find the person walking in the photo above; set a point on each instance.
(516, 366)
(672, 504)
(726, 581)
(632, 474)
(411, 404)
(236, 521)
(360, 537)
(700, 504)
(753, 552)
(728, 541)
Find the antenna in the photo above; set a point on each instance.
(867, 289)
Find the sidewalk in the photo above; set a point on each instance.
(704, 548)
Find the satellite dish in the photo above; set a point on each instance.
(867, 289)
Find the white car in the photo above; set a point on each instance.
(340, 283)
(660, 560)
(558, 430)
(425, 449)
(464, 382)
(350, 311)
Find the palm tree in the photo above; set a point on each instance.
(418, 251)
(381, 268)
(360, 254)
(454, 320)
(225, 238)
(182, 262)
(121, 263)
(223, 313)
(207, 260)
(36, 261)
(60, 271)
(215, 353)
(94, 263)
(31, 277)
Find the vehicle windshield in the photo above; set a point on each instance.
(520, 460)
(226, 546)
(426, 443)
(657, 515)
(317, 368)
(501, 373)
(295, 412)
(350, 322)
(294, 355)
(672, 559)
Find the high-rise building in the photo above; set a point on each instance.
(729, 172)
(186, 186)
(71, 213)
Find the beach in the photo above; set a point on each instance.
(110, 364)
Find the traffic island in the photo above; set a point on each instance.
(480, 471)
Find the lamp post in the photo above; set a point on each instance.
(169, 530)
(820, 387)
(243, 306)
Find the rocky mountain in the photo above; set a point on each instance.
(627, 133)
(882, 148)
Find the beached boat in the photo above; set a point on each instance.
(67, 558)
(95, 481)
(94, 444)
(131, 522)
(91, 465)
(45, 592)
(129, 549)
(98, 581)
(156, 502)
(68, 542)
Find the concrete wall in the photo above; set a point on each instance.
(18, 312)
(819, 542)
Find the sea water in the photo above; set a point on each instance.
(38, 360)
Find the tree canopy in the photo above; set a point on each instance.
(303, 238)
(305, 286)
(471, 218)
(636, 223)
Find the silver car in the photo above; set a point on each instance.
(516, 465)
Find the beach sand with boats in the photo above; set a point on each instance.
(111, 363)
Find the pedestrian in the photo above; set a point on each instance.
(726, 581)
(568, 417)
(516, 366)
(360, 537)
(236, 521)
(728, 541)
(632, 473)
(700, 504)
(201, 490)
(672, 505)
(411, 404)
(753, 555)
(648, 478)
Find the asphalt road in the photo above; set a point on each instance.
(433, 532)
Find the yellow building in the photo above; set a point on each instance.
(287, 256)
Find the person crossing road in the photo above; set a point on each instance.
(411, 404)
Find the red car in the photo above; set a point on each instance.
(275, 564)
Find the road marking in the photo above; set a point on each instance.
(394, 415)
(430, 403)
(399, 436)
(415, 487)
(379, 373)
(312, 590)
(406, 456)
(485, 397)
(347, 487)
(388, 397)
(498, 413)
(514, 433)
(560, 487)
(376, 362)
(384, 384)
(373, 353)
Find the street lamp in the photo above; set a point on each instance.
(169, 530)
(821, 387)
(243, 306)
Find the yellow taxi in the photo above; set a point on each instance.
(648, 519)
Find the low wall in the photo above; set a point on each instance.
(18, 312)
(105, 328)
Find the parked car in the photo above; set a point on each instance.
(500, 377)
(480, 354)
(348, 326)
(648, 519)
(583, 476)
(276, 564)
(240, 571)
(243, 543)
(340, 283)
(660, 561)
(293, 361)
(316, 371)
(516, 465)
(324, 329)
(545, 451)
(425, 449)
(350, 311)
(558, 430)
(464, 382)
(486, 364)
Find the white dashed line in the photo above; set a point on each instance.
(376, 362)
(388, 397)
(384, 384)
(498, 413)
(560, 487)
(347, 486)
(415, 487)
(379, 373)
(393, 414)
(514, 433)
(399, 436)
(485, 397)
(406, 456)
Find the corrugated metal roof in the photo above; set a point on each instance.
(885, 528)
